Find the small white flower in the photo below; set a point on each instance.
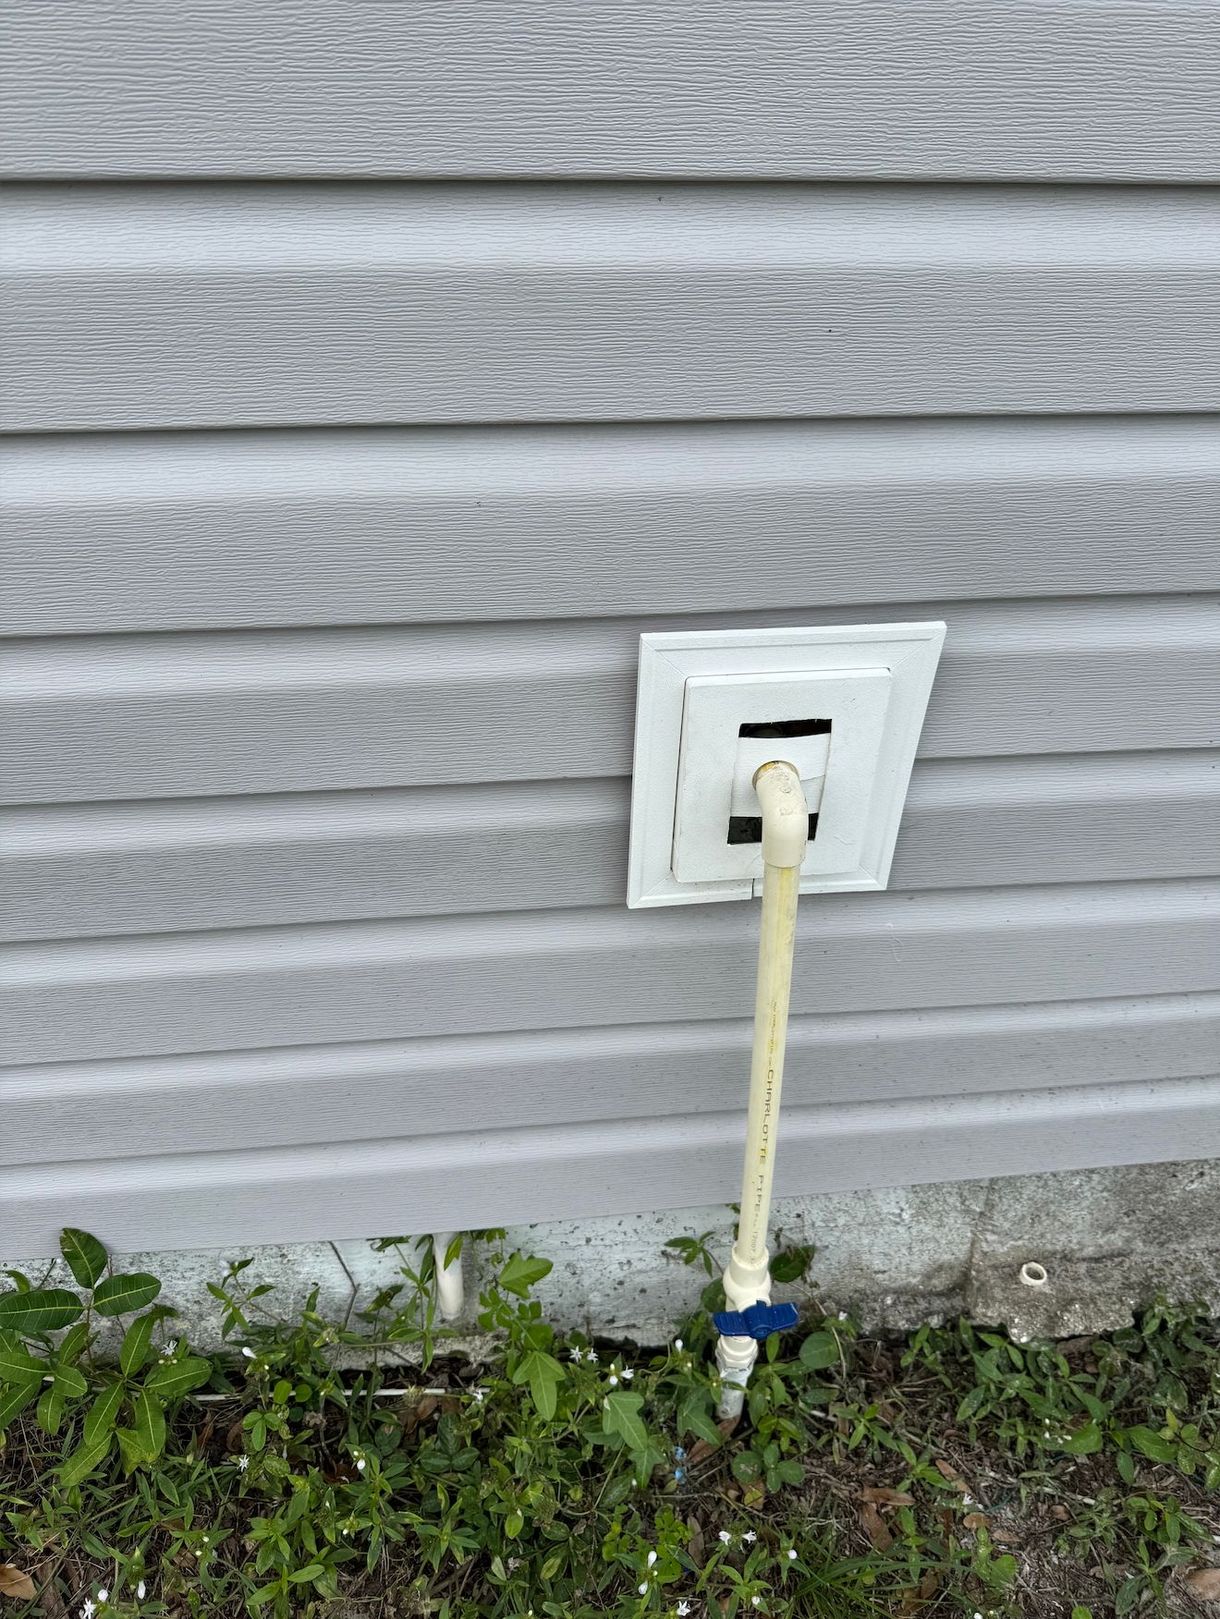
(141, 1591)
(677, 1343)
(612, 1380)
(978, 1616)
(512, 1563)
(103, 1596)
(242, 1463)
(756, 1602)
(626, 1374)
(643, 1589)
(88, 1609)
(170, 1350)
(749, 1535)
(652, 1557)
(591, 1356)
(682, 1609)
(576, 1355)
(478, 1395)
(842, 1315)
(361, 1465)
(725, 1538)
(247, 1351)
(792, 1554)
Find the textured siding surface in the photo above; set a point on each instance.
(374, 376)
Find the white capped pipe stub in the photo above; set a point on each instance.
(1033, 1274)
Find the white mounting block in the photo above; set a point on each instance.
(843, 704)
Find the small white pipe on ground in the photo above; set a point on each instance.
(450, 1292)
(747, 1277)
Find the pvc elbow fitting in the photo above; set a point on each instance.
(785, 813)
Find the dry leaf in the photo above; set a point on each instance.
(886, 1498)
(875, 1528)
(1203, 1584)
(1060, 1512)
(974, 1520)
(913, 1600)
(951, 1474)
(695, 1545)
(15, 1583)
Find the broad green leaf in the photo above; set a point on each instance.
(544, 1374)
(85, 1255)
(50, 1411)
(1152, 1445)
(521, 1273)
(695, 1416)
(103, 1414)
(149, 1424)
(129, 1449)
(173, 1378)
(42, 1309)
(84, 1460)
(136, 1342)
(119, 1294)
(1084, 1442)
(820, 1349)
(309, 1572)
(73, 1344)
(14, 1400)
(17, 1365)
(70, 1383)
(621, 1416)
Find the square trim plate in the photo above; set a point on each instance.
(910, 652)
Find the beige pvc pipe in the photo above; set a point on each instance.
(747, 1277)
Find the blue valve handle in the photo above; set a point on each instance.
(758, 1321)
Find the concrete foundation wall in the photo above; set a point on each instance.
(1108, 1238)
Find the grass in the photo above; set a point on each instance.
(955, 1472)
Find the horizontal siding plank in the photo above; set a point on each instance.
(57, 1112)
(199, 531)
(307, 710)
(483, 1178)
(295, 305)
(211, 863)
(1122, 89)
(566, 969)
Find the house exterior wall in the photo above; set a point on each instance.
(375, 376)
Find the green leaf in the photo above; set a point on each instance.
(171, 1379)
(42, 1309)
(50, 1411)
(14, 1400)
(521, 1273)
(695, 1416)
(544, 1374)
(85, 1255)
(84, 1460)
(129, 1449)
(820, 1349)
(790, 1264)
(70, 1383)
(73, 1344)
(621, 1416)
(1152, 1445)
(136, 1342)
(149, 1424)
(119, 1294)
(309, 1572)
(103, 1413)
(514, 1524)
(17, 1365)
(1084, 1442)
